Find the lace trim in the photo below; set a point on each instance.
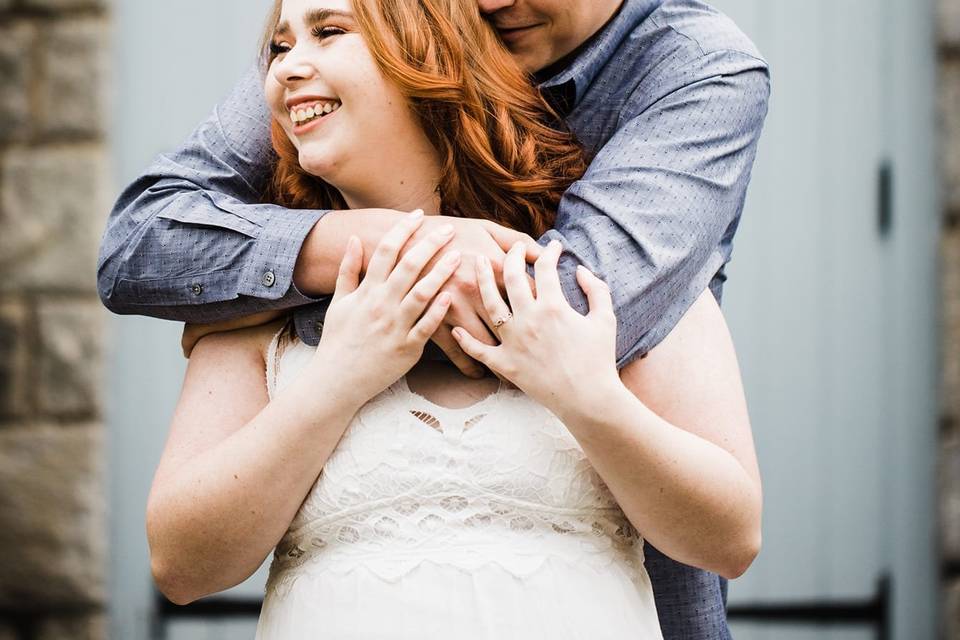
(496, 504)
(394, 566)
(459, 532)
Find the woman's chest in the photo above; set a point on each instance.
(508, 448)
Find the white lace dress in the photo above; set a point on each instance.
(429, 522)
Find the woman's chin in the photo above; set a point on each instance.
(319, 166)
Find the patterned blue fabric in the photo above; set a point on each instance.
(669, 100)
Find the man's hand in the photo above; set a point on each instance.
(323, 249)
(472, 238)
(193, 332)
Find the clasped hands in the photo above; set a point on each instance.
(544, 335)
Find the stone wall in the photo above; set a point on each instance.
(949, 463)
(54, 194)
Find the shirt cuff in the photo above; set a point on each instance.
(268, 274)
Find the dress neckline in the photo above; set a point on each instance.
(490, 400)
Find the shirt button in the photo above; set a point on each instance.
(197, 289)
(268, 279)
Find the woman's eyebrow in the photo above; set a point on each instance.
(312, 17)
(319, 15)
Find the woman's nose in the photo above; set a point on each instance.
(293, 68)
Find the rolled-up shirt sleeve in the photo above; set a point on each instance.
(655, 214)
(189, 241)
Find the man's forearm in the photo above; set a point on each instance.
(174, 251)
(315, 273)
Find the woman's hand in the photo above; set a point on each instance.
(375, 329)
(552, 353)
(474, 238)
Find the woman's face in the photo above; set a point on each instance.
(349, 124)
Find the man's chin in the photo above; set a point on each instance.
(529, 60)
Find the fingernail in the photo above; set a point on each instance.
(445, 230)
(554, 244)
(417, 213)
(452, 257)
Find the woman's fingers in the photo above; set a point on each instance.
(515, 279)
(419, 297)
(483, 353)
(405, 274)
(348, 277)
(546, 276)
(493, 302)
(430, 322)
(597, 291)
(448, 344)
(384, 257)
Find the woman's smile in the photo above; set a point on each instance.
(307, 120)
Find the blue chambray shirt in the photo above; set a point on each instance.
(669, 100)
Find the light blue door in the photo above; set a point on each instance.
(834, 321)
(831, 300)
(173, 62)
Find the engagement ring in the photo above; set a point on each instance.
(500, 321)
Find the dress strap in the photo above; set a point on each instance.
(274, 354)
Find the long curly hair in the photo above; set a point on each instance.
(504, 153)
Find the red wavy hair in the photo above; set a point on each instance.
(505, 155)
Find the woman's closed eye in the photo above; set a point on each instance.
(277, 49)
(321, 33)
(326, 32)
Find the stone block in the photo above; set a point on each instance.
(17, 68)
(950, 335)
(72, 93)
(949, 497)
(950, 132)
(56, 6)
(53, 510)
(15, 361)
(69, 358)
(86, 627)
(53, 206)
(948, 22)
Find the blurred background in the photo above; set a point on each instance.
(843, 298)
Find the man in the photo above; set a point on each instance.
(667, 96)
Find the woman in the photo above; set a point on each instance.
(402, 497)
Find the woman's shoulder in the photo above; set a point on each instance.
(249, 341)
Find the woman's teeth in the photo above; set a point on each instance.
(303, 115)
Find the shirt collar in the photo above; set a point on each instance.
(566, 88)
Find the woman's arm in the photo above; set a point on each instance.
(673, 443)
(681, 461)
(235, 469)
